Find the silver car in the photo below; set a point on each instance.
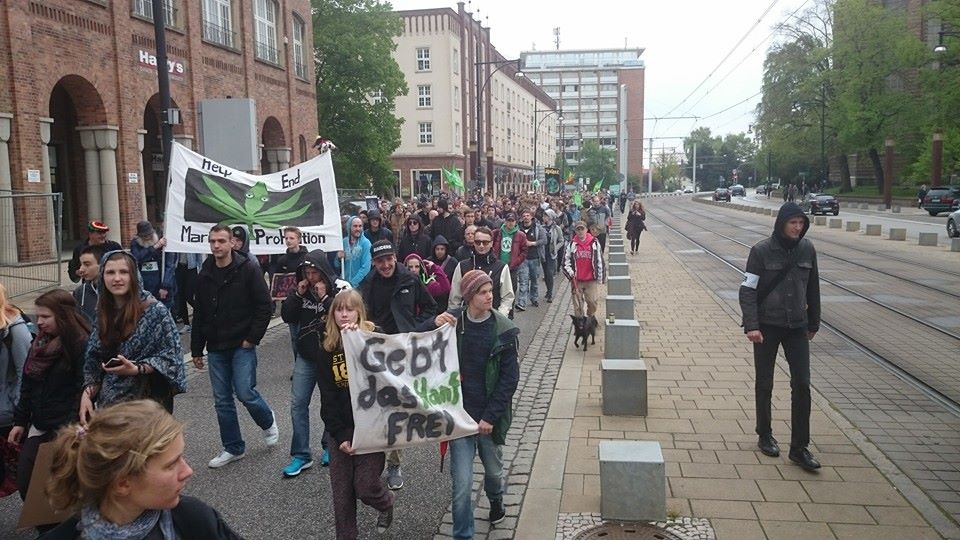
(953, 224)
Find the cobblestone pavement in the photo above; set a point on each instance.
(539, 367)
(913, 440)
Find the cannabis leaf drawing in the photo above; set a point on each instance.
(252, 211)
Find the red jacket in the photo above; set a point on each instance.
(518, 250)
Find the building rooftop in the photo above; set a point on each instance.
(621, 58)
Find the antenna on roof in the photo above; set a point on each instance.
(556, 37)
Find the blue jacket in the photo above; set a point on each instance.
(150, 261)
(356, 260)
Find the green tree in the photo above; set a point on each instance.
(353, 45)
(717, 157)
(597, 163)
(666, 170)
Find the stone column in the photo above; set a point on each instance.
(8, 224)
(107, 144)
(47, 185)
(283, 158)
(91, 163)
(273, 160)
(141, 144)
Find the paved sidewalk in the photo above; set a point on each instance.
(701, 410)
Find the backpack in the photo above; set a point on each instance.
(8, 340)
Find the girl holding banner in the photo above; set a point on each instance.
(352, 476)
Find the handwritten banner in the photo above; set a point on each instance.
(405, 389)
(203, 193)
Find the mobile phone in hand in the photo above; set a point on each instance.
(113, 362)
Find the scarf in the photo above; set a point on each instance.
(44, 352)
(94, 527)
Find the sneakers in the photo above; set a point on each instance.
(384, 520)
(325, 460)
(297, 465)
(518, 307)
(271, 435)
(224, 458)
(535, 303)
(768, 445)
(497, 512)
(394, 478)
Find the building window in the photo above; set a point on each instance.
(426, 132)
(378, 97)
(456, 134)
(144, 8)
(298, 30)
(265, 36)
(456, 62)
(456, 98)
(423, 58)
(218, 22)
(423, 96)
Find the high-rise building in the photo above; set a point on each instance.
(448, 61)
(600, 92)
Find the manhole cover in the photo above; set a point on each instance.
(637, 531)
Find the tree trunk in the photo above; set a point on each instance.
(877, 168)
(844, 164)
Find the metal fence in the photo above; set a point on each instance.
(30, 248)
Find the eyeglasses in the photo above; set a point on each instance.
(483, 242)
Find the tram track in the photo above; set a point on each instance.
(948, 398)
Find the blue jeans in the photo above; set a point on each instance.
(462, 452)
(234, 371)
(301, 393)
(528, 278)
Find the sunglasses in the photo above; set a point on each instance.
(483, 242)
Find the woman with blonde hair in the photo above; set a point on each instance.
(123, 474)
(352, 476)
(15, 340)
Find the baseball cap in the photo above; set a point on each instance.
(382, 248)
(511, 216)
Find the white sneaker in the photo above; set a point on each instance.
(224, 458)
(271, 435)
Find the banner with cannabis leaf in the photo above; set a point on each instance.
(203, 193)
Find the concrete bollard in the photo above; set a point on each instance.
(955, 244)
(624, 387)
(928, 239)
(618, 285)
(895, 209)
(622, 339)
(768, 211)
(864, 206)
(853, 226)
(873, 230)
(881, 208)
(633, 482)
(618, 269)
(820, 220)
(621, 305)
(618, 256)
(836, 223)
(898, 234)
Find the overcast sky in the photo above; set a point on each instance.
(683, 41)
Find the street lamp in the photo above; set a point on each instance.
(941, 48)
(536, 130)
(480, 88)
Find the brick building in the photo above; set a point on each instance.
(79, 109)
(448, 61)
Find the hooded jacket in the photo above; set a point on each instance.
(355, 264)
(449, 263)
(289, 262)
(309, 312)
(418, 242)
(382, 233)
(155, 341)
(74, 263)
(795, 301)
(86, 296)
(518, 246)
(241, 232)
(449, 227)
(231, 311)
(583, 258)
(410, 303)
(152, 263)
(434, 278)
(12, 359)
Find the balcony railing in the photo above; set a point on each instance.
(267, 53)
(219, 34)
(144, 8)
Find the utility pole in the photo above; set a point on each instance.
(650, 170)
(695, 167)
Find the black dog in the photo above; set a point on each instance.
(582, 328)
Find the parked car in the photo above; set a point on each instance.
(688, 189)
(737, 190)
(942, 199)
(721, 194)
(762, 189)
(953, 224)
(820, 203)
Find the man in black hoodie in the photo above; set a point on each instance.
(305, 308)
(780, 301)
(230, 317)
(447, 225)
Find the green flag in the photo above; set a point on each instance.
(598, 185)
(578, 199)
(453, 178)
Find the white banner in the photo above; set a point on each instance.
(405, 389)
(203, 193)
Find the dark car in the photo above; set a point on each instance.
(942, 199)
(737, 190)
(761, 189)
(819, 203)
(721, 194)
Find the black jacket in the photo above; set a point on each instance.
(409, 243)
(192, 518)
(308, 312)
(411, 304)
(53, 400)
(288, 262)
(74, 263)
(336, 409)
(795, 301)
(227, 313)
(450, 227)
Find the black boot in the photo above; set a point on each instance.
(768, 445)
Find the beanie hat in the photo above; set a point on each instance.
(471, 283)
(97, 226)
